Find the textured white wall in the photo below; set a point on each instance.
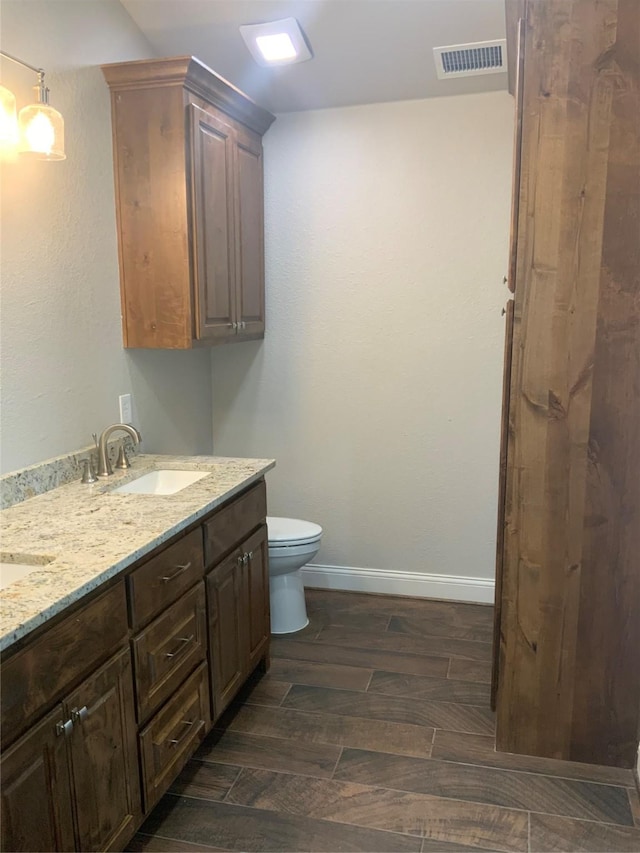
(377, 388)
(63, 364)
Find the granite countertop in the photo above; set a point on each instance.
(80, 536)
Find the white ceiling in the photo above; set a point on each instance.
(365, 51)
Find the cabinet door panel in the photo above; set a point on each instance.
(226, 632)
(104, 757)
(212, 224)
(256, 584)
(36, 792)
(250, 234)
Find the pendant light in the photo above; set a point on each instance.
(41, 127)
(39, 131)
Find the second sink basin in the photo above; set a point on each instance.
(162, 482)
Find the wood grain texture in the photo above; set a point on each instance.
(397, 811)
(480, 749)
(450, 624)
(156, 844)
(361, 657)
(485, 785)
(310, 727)
(448, 816)
(425, 687)
(39, 674)
(411, 643)
(470, 670)
(261, 689)
(569, 684)
(397, 709)
(202, 821)
(606, 699)
(244, 750)
(321, 674)
(203, 779)
(550, 833)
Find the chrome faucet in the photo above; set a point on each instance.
(104, 464)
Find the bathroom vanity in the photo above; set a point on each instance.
(118, 657)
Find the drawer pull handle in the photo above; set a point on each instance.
(179, 570)
(64, 728)
(176, 740)
(79, 716)
(183, 642)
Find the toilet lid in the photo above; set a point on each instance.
(292, 530)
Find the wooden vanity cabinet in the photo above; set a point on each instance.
(189, 203)
(102, 709)
(71, 782)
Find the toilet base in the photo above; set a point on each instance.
(288, 607)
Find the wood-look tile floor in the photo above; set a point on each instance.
(372, 732)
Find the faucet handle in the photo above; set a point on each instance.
(88, 474)
(94, 435)
(122, 463)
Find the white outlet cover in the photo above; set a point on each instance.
(126, 408)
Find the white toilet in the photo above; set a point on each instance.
(292, 544)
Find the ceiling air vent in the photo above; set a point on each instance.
(470, 60)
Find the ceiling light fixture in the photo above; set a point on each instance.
(277, 42)
(38, 130)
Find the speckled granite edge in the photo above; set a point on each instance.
(81, 536)
(25, 483)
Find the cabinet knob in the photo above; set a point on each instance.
(234, 326)
(64, 728)
(79, 716)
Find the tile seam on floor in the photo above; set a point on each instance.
(267, 769)
(514, 770)
(287, 814)
(238, 775)
(530, 812)
(335, 766)
(520, 809)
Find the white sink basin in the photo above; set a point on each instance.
(12, 572)
(163, 482)
(18, 566)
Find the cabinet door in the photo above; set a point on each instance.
(256, 596)
(212, 221)
(104, 757)
(249, 234)
(226, 632)
(37, 811)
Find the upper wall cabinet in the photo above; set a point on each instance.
(187, 150)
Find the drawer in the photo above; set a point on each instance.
(164, 578)
(168, 649)
(171, 737)
(46, 668)
(233, 523)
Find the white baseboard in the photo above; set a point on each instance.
(418, 585)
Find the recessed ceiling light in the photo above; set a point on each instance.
(277, 42)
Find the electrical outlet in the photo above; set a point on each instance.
(126, 408)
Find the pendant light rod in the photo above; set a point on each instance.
(20, 62)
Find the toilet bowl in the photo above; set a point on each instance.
(292, 544)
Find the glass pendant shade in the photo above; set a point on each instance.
(41, 133)
(8, 122)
